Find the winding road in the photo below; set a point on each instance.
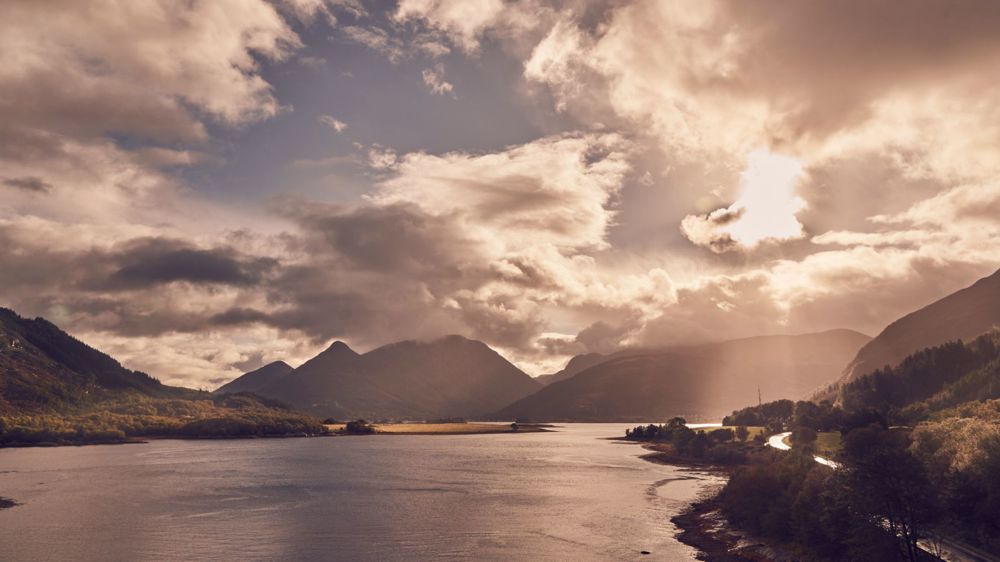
(780, 441)
(946, 549)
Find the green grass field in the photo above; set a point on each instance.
(828, 443)
(753, 429)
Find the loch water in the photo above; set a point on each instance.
(570, 494)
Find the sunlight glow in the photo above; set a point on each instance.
(767, 204)
(765, 209)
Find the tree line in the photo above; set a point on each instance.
(920, 460)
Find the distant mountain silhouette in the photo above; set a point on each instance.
(449, 377)
(964, 315)
(697, 382)
(579, 363)
(257, 379)
(45, 369)
(576, 364)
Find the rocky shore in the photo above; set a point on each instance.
(704, 527)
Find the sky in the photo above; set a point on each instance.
(198, 188)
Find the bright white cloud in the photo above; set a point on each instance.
(464, 21)
(78, 78)
(766, 208)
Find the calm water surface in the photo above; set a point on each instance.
(565, 495)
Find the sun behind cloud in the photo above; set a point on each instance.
(766, 208)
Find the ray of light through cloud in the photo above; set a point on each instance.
(765, 209)
(527, 173)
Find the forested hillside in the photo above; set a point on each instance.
(56, 389)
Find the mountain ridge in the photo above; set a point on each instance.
(55, 389)
(701, 381)
(452, 376)
(964, 314)
(256, 379)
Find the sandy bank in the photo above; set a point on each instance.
(447, 428)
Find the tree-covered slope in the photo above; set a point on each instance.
(964, 314)
(56, 389)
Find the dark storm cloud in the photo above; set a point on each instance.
(394, 238)
(238, 316)
(127, 289)
(140, 263)
(319, 315)
(156, 261)
(28, 183)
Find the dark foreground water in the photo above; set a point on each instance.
(566, 495)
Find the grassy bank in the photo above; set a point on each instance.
(133, 417)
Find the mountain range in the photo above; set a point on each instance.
(46, 370)
(448, 377)
(698, 382)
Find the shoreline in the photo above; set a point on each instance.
(702, 526)
(382, 429)
(465, 428)
(143, 439)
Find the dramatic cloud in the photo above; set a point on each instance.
(483, 244)
(725, 77)
(150, 262)
(611, 174)
(765, 210)
(79, 78)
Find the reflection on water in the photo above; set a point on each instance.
(564, 495)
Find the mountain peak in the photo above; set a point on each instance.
(276, 365)
(455, 339)
(450, 376)
(340, 348)
(257, 379)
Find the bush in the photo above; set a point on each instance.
(742, 433)
(722, 435)
(359, 427)
(804, 437)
